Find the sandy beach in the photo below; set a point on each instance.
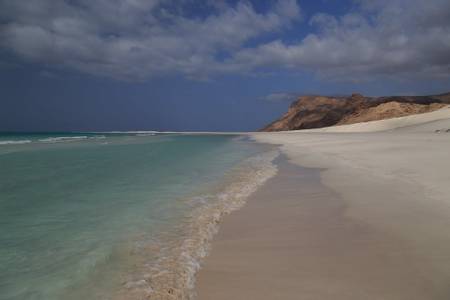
(357, 211)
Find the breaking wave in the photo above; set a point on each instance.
(60, 139)
(170, 274)
(15, 142)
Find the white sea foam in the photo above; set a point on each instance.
(145, 134)
(63, 139)
(57, 139)
(172, 275)
(15, 142)
(131, 132)
(97, 137)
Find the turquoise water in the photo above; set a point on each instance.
(113, 216)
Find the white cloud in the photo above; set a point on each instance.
(383, 38)
(138, 39)
(281, 97)
(134, 39)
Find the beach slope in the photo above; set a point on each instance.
(357, 211)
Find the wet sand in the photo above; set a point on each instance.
(293, 240)
(368, 218)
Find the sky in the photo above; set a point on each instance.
(101, 65)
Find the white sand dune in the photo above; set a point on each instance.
(442, 115)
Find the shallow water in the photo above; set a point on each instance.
(108, 216)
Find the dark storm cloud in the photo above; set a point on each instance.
(137, 39)
(134, 38)
(386, 38)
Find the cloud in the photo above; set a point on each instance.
(47, 74)
(139, 39)
(135, 39)
(381, 38)
(281, 97)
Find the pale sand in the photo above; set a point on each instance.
(378, 227)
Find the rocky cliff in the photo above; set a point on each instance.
(320, 111)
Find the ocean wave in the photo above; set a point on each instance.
(131, 132)
(172, 275)
(15, 142)
(97, 137)
(63, 139)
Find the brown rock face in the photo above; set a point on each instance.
(320, 111)
(389, 110)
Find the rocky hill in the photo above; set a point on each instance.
(321, 111)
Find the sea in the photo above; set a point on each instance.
(117, 215)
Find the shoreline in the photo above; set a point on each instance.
(172, 274)
(304, 245)
(394, 182)
(156, 222)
